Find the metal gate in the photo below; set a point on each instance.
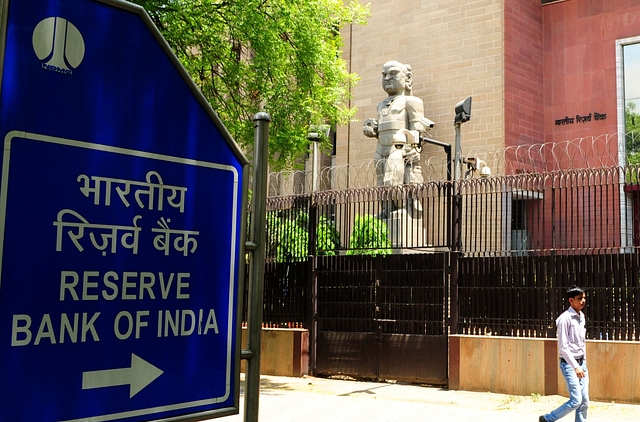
(382, 317)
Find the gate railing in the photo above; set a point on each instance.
(522, 296)
(391, 294)
(573, 211)
(520, 242)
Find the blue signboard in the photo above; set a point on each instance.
(121, 213)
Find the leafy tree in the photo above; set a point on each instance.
(369, 237)
(278, 56)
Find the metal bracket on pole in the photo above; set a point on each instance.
(445, 146)
(256, 245)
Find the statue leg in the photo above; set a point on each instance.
(413, 175)
(380, 163)
(394, 174)
(394, 171)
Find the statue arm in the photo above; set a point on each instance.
(415, 112)
(370, 128)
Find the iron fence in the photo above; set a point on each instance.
(522, 296)
(286, 297)
(573, 211)
(515, 243)
(390, 294)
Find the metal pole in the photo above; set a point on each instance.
(256, 280)
(457, 155)
(312, 296)
(314, 176)
(456, 203)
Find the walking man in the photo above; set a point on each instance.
(573, 359)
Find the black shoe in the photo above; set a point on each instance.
(542, 419)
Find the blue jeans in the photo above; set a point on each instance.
(578, 394)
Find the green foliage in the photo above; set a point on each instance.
(279, 56)
(369, 237)
(288, 236)
(632, 137)
(294, 239)
(328, 239)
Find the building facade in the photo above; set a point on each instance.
(538, 72)
(550, 82)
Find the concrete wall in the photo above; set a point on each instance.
(530, 366)
(517, 366)
(284, 352)
(614, 369)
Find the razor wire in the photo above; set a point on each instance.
(579, 153)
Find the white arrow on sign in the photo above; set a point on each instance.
(138, 376)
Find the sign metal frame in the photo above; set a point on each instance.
(233, 336)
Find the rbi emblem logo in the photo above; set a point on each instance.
(58, 44)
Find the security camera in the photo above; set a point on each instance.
(471, 162)
(428, 123)
(485, 171)
(474, 163)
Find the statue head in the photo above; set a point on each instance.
(397, 78)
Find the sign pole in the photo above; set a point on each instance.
(256, 280)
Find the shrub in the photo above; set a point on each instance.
(328, 237)
(369, 237)
(288, 236)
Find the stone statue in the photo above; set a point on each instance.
(398, 126)
(400, 120)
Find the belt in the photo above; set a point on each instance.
(579, 360)
(391, 125)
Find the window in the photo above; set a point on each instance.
(628, 93)
(628, 85)
(631, 80)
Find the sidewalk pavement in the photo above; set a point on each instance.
(312, 399)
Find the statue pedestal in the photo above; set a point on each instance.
(406, 232)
